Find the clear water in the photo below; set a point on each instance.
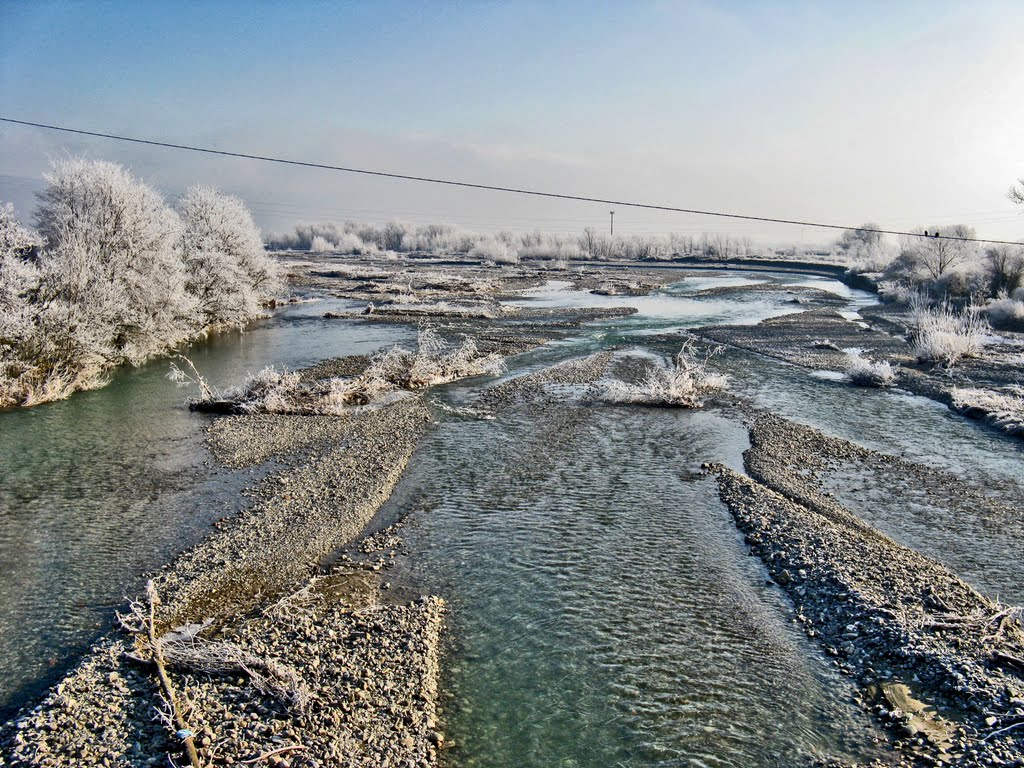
(603, 606)
(983, 549)
(105, 486)
(673, 307)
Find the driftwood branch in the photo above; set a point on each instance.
(142, 622)
(1001, 731)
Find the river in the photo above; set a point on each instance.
(604, 609)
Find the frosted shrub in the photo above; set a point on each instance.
(1006, 312)
(322, 245)
(682, 384)
(867, 373)
(1004, 410)
(435, 361)
(943, 335)
(492, 249)
(269, 391)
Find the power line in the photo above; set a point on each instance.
(492, 187)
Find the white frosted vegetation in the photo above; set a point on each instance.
(116, 276)
(228, 269)
(944, 335)
(504, 247)
(869, 373)
(1004, 410)
(683, 384)
(493, 249)
(1007, 312)
(390, 372)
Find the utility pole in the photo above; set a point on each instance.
(611, 230)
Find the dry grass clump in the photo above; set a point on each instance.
(682, 384)
(391, 371)
(1006, 312)
(1004, 410)
(944, 336)
(434, 362)
(869, 373)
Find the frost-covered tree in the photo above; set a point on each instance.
(1016, 193)
(864, 248)
(111, 255)
(936, 255)
(19, 274)
(115, 276)
(19, 281)
(227, 268)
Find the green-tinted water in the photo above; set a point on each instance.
(107, 485)
(604, 611)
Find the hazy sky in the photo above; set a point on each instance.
(907, 114)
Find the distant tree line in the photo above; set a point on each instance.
(505, 247)
(111, 274)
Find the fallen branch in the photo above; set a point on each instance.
(1009, 660)
(141, 621)
(219, 657)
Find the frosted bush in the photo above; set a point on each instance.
(868, 373)
(1004, 410)
(1006, 312)
(492, 249)
(391, 370)
(269, 391)
(435, 362)
(943, 335)
(323, 245)
(682, 384)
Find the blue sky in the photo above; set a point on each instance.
(908, 114)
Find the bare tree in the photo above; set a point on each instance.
(863, 238)
(937, 255)
(1005, 267)
(588, 241)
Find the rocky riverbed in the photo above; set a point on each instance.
(937, 661)
(320, 669)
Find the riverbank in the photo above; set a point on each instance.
(352, 679)
(820, 338)
(937, 662)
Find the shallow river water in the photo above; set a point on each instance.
(604, 609)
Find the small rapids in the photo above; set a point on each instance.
(604, 610)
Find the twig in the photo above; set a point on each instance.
(279, 750)
(1003, 730)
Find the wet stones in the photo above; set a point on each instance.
(887, 615)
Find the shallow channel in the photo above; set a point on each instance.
(108, 485)
(604, 609)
